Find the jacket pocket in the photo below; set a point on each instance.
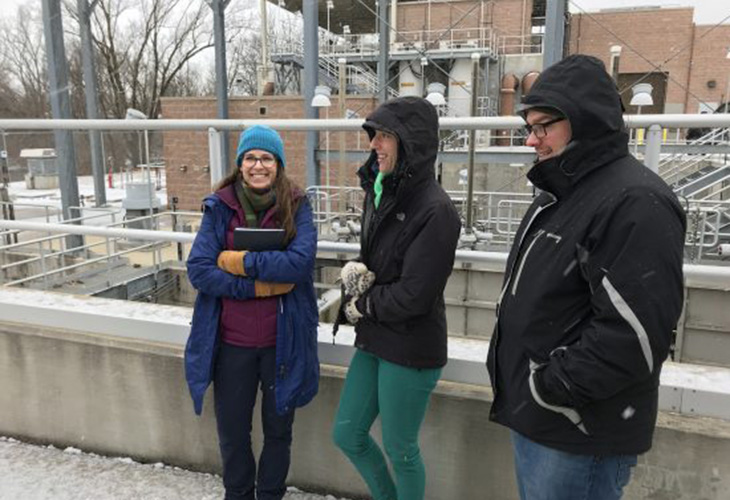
(569, 413)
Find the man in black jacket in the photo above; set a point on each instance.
(410, 229)
(592, 292)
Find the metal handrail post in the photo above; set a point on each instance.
(215, 147)
(653, 147)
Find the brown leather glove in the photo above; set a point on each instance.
(231, 261)
(266, 289)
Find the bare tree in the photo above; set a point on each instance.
(244, 47)
(145, 51)
(25, 63)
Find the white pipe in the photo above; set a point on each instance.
(695, 275)
(450, 123)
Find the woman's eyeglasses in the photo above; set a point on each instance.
(266, 161)
(540, 129)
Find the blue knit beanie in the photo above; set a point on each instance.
(261, 137)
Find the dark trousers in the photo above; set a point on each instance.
(239, 371)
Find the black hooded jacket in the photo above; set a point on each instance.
(409, 242)
(593, 286)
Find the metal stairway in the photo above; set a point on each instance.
(359, 79)
(692, 173)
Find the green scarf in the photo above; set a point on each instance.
(254, 204)
(378, 187)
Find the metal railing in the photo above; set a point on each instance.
(708, 275)
(521, 44)
(32, 257)
(214, 127)
(675, 167)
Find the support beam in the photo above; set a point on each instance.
(221, 74)
(311, 70)
(61, 109)
(472, 144)
(554, 32)
(91, 91)
(384, 58)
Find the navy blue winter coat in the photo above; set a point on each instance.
(297, 364)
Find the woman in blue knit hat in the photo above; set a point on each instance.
(255, 318)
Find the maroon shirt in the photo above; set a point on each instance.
(247, 323)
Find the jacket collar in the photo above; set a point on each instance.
(560, 174)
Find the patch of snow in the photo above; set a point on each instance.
(46, 473)
(176, 315)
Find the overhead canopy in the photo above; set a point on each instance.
(345, 12)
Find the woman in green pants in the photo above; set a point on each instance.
(394, 297)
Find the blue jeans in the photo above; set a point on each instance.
(239, 371)
(548, 474)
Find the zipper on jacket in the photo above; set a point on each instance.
(495, 337)
(524, 259)
(522, 238)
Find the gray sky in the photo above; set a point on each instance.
(706, 11)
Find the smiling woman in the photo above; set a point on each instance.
(255, 317)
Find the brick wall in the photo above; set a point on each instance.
(709, 62)
(657, 34)
(506, 16)
(186, 153)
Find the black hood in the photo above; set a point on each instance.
(415, 122)
(581, 89)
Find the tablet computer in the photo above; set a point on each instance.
(258, 240)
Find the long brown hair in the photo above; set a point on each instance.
(286, 204)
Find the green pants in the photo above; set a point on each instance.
(400, 395)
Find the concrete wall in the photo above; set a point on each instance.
(125, 397)
(703, 332)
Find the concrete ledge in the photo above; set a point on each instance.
(107, 376)
(695, 390)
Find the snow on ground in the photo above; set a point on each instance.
(22, 195)
(39, 205)
(31, 472)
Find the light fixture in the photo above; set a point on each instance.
(321, 97)
(330, 5)
(642, 95)
(424, 61)
(346, 29)
(435, 94)
(134, 114)
(616, 50)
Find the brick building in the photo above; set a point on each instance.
(685, 63)
(694, 71)
(186, 152)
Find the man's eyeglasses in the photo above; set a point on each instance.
(540, 129)
(266, 161)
